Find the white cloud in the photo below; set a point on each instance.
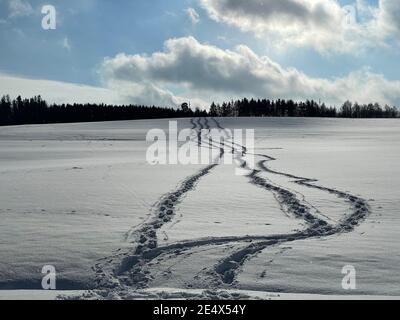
(201, 73)
(116, 92)
(193, 15)
(144, 93)
(65, 44)
(19, 8)
(388, 17)
(201, 70)
(321, 24)
(57, 92)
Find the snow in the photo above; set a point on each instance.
(174, 294)
(81, 197)
(68, 197)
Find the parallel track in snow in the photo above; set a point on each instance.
(129, 269)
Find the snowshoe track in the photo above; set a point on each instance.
(127, 270)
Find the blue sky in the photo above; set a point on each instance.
(90, 31)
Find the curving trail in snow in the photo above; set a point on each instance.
(299, 208)
(120, 275)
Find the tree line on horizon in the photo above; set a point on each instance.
(308, 108)
(37, 111)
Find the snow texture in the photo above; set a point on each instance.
(322, 195)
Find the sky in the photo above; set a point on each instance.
(168, 52)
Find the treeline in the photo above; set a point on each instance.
(290, 108)
(37, 111)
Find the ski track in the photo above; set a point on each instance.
(127, 269)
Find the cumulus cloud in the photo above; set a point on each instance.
(187, 70)
(201, 70)
(267, 14)
(144, 93)
(388, 17)
(322, 24)
(19, 8)
(193, 15)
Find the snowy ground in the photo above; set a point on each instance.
(323, 194)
